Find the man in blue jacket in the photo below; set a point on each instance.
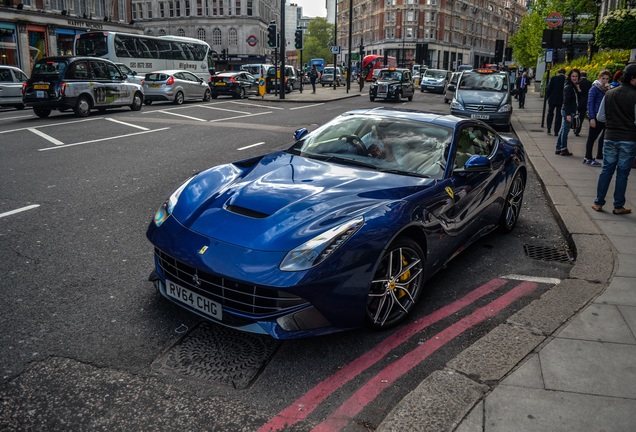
(554, 94)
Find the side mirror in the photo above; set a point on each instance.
(300, 133)
(133, 73)
(477, 163)
(451, 87)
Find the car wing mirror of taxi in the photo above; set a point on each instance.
(300, 133)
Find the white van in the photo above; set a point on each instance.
(258, 70)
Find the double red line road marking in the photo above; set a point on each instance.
(306, 404)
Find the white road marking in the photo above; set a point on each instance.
(256, 105)
(49, 138)
(243, 116)
(250, 146)
(545, 280)
(103, 139)
(181, 115)
(52, 124)
(127, 124)
(306, 106)
(16, 117)
(9, 213)
(225, 109)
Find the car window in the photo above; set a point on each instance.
(125, 69)
(433, 73)
(480, 81)
(5, 75)
(78, 70)
(190, 77)
(474, 140)
(49, 68)
(99, 70)
(113, 73)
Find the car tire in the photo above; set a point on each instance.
(20, 107)
(138, 101)
(206, 96)
(410, 98)
(512, 204)
(42, 112)
(371, 98)
(178, 99)
(397, 284)
(214, 96)
(82, 106)
(398, 96)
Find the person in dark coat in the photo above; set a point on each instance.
(522, 88)
(570, 107)
(585, 85)
(554, 94)
(596, 95)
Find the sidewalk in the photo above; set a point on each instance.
(323, 94)
(574, 367)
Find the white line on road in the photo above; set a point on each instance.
(49, 138)
(127, 124)
(16, 117)
(243, 116)
(253, 145)
(225, 109)
(181, 115)
(104, 139)
(52, 124)
(306, 106)
(9, 213)
(256, 105)
(546, 280)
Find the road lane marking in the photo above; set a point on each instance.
(226, 109)
(256, 105)
(126, 124)
(50, 125)
(392, 372)
(9, 213)
(310, 400)
(16, 117)
(543, 280)
(306, 106)
(243, 116)
(49, 138)
(250, 146)
(180, 115)
(103, 139)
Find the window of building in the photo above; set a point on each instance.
(201, 34)
(216, 36)
(121, 9)
(250, 7)
(149, 10)
(232, 37)
(162, 32)
(171, 8)
(180, 32)
(177, 8)
(150, 32)
(162, 12)
(187, 8)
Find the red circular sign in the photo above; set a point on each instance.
(251, 40)
(554, 19)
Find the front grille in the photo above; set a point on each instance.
(383, 88)
(232, 295)
(481, 108)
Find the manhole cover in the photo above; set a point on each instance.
(218, 354)
(548, 253)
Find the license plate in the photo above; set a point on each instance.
(430, 87)
(220, 83)
(480, 116)
(194, 300)
(155, 86)
(41, 86)
(40, 94)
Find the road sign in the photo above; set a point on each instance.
(554, 19)
(334, 49)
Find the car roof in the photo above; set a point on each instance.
(169, 71)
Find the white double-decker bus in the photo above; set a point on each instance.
(145, 54)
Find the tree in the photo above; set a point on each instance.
(618, 30)
(318, 39)
(526, 42)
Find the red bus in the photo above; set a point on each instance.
(372, 62)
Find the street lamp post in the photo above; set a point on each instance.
(593, 46)
(403, 35)
(571, 53)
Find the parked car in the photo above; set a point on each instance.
(392, 83)
(79, 83)
(257, 70)
(235, 84)
(291, 79)
(449, 91)
(11, 80)
(334, 232)
(331, 75)
(176, 86)
(131, 75)
(434, 80)
(484, 94)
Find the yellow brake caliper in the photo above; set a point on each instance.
(403, 278)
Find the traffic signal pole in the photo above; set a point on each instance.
(283, 75)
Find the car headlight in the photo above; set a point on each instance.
(168, 206)
(319, 248)
(393, 88)
(505, 108)
(456, 105)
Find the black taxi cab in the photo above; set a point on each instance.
(79, 84)
(483, 94)
(393, 84)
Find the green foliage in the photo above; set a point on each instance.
(617, 30)
(526, 42)
(318, 39)
(611, 60)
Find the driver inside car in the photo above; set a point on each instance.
(375, 141)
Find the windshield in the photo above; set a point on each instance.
(433, 73)
(49, 68)
(390, 76)
(91, 44)
(386, 144)
(489, 82)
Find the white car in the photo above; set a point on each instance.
(131, 75)
(11, 80)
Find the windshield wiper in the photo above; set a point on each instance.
(408, 173)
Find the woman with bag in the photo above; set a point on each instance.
(569, 111)
(597, 127)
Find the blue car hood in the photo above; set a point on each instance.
(285, 200)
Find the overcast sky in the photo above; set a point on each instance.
(311, 8)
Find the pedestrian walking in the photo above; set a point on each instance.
(597, 127)
(569, 111)
(313, 76)
(522, 89)
(585, 86)
(618, 110)
(554, 94)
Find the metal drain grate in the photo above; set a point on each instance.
(548, 253)
(218, 354)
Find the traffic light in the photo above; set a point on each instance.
(224, 54)
(298, 39)
(272, 33)
(499, 50)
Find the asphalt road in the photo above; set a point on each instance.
(88, 344)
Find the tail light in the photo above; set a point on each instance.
(232, 80)
(24, 88)
(170, 81)
(62, 89)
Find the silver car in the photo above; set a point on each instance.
(131, 75)
(11, 80)
(174, 86)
